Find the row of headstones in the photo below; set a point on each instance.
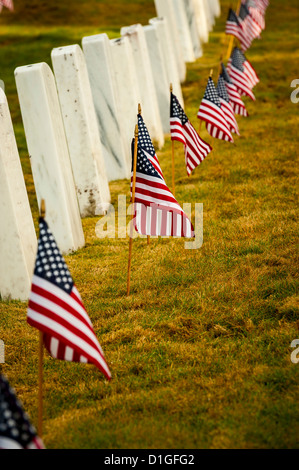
(79, 123)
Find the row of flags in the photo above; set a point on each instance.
(157, 212)
(248, 23)
(55, 307)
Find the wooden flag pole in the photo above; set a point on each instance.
(172, 147)
(139, 112)
(133, 201)
(41, 358)
(232, 38)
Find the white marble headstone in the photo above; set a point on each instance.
(165, 8)
(81, 130)
(97, 54)
(216, 7)
(18, 243)
(49, 155)
(183, 30)
(128, 88)
(2, 85)
(201, 20)
(209, 14)
(191, 19)
(162, 85)
(144, 72)
(161, 25)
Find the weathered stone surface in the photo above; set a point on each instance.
(128, 88)
(173, 78)
(97, 52)
(81, 130)
(18, 241)
(165, 9)
(144, 73)
(49, 155)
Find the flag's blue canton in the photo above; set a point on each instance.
(233, 17)
(144, 140)
(144, 165)
(221, 89)
(211, 93)
(237, 60)
(241, 55)
(225, 75)
(50, 264)
(243, 12)
(14, 422)
(177, 110)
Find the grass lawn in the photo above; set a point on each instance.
(200, 352)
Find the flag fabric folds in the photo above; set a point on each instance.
(234, 96)
(16, 431)
(251, 28)
(237, 74)
(233, 26)
(249, 71)
(182, 130)
(211, 112)
(156, 211)
(226, 106)
(55, 308)
(255, 12)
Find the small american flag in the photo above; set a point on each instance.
(7, 3)
(250, 27)
(226, 106)
(182, 130)
(16, 431)
(249, 70)
(156, 211)
(237, 74)
(234, 96)
(233, 26)
(55, 308)
(210, 111)
(255, 13)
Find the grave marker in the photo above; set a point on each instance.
(160, 79)
(191, 19)
(81, 130)
(144, 73)
(183, 30)
(162, 28)
(165, 9)
(18, 241)
(49, 156)
(98, 58)
(127, 86)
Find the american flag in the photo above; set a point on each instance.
(156, 211)
(16, 431)
(255, 13)
(182, 130)
(7, 3)
(234, 96)
(237, 74)
(55, 308)
(233, 26)
(226, 106)
(251, 28)
(211, 112)
(249, 71)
